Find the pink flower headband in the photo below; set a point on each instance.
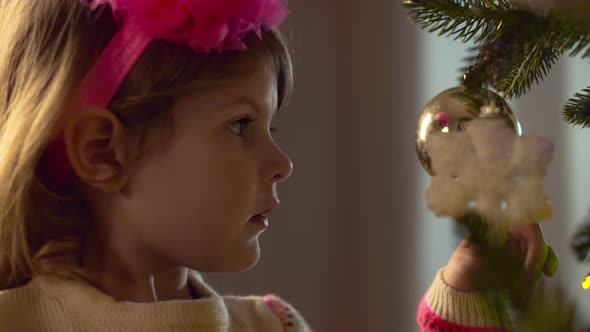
(203, 25)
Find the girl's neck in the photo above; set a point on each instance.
(118, 273)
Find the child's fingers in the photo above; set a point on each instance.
(551, 263)
(537, 261)
(536, 248)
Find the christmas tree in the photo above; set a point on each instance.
(516, 48)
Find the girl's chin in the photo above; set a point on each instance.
(243, 260)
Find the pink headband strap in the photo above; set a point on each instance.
(98, 87)
(112, 67)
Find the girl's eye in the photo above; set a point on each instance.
(242, 125)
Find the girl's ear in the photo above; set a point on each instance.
(96, 148)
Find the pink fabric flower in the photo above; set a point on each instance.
(204, 25)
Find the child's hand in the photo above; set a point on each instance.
(468, 271)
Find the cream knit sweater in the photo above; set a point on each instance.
(51, 303)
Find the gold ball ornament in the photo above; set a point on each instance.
(451, 109)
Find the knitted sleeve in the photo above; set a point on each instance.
(446, 309)
(291, 320)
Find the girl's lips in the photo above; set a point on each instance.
(259, 219)
(272, 207)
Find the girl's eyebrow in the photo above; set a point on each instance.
(254, 104)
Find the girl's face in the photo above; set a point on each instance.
(189, 203)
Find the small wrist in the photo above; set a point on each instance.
(458, 279)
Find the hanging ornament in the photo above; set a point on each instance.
(452, 109)
(480, 163)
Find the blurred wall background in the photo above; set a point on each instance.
(352, 246)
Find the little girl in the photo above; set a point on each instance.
(135, 150)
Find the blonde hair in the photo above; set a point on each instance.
(47, 47)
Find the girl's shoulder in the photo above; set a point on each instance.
(21, 308)
(14, 298)
(244, 309)
(253, 313)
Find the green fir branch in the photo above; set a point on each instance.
(517, 48)
(521, 54)
(532, 64)
(570, 34)
(460, 19)
(577, 110)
